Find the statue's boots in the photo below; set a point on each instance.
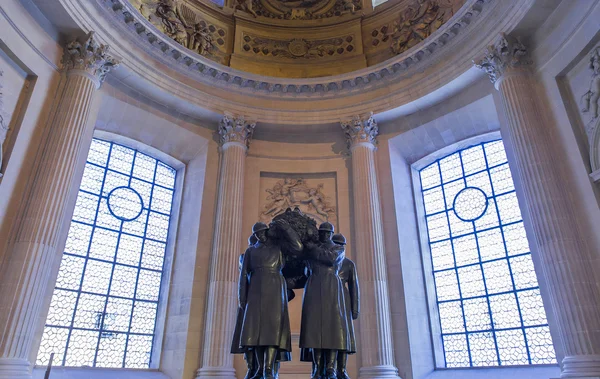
(342, 374)
(251, 364)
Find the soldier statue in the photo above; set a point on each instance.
(349, 279)
(263, 297)
(324, 327)
(235, 342)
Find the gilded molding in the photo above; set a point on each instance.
(360, 130)
(235, 129)
(89, 56)
(168, 50)
(505, 54)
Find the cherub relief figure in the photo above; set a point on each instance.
(246, 6)
(418, 22)
(317, 200)
(291, 193)
(174, 27)
(591, 97)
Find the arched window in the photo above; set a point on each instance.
(487, 294)
(104, 307)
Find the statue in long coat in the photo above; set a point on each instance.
(263, 297)
(324, 327)
(349, 279)
(235, 341)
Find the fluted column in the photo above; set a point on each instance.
(376, 349)
(217, 361)
(32, 247)
(566, 262)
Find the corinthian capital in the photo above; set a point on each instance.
(236, 129)
(360, 130)
(89, 56)
(506, 53)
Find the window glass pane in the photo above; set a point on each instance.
(103, 310)
(490, 308)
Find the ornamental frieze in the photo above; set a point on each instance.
(298, 47)
(299, 9)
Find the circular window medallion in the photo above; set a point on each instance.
(470, 204)
(125, 203)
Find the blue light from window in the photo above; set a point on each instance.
(104, 306)
(490, 309)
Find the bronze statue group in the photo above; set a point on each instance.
(287, 254)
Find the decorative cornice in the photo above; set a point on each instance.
(205, 70)
(506, 53)
(235, 129)
(360, 131)
(89, 56)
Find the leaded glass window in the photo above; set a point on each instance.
(487, 294)
(104, 307)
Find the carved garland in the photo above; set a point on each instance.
(298, 48)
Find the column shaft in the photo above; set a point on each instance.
(224, 275)
(376, 349)
(32, 247)
(566, 262)
(375, 325)
(217, 360)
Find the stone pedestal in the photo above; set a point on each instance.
(221, 310)
(31, 250)
(566, 262)
(376, 349)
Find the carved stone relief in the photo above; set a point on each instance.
(186, 26)
(314, 197)
(415, 23)
(590, 102)
(298, 47)
(3, 121)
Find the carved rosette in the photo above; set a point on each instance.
(361, 131)
(89, 56)
(505, 54)
(235, 129)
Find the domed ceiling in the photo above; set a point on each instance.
(298, 38)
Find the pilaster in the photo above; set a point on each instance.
(31, 249)
(217, 361)
(564, 256)
(376, 347)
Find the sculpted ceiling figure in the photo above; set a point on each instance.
(181, 23)
(296, 193)
(418, 22)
